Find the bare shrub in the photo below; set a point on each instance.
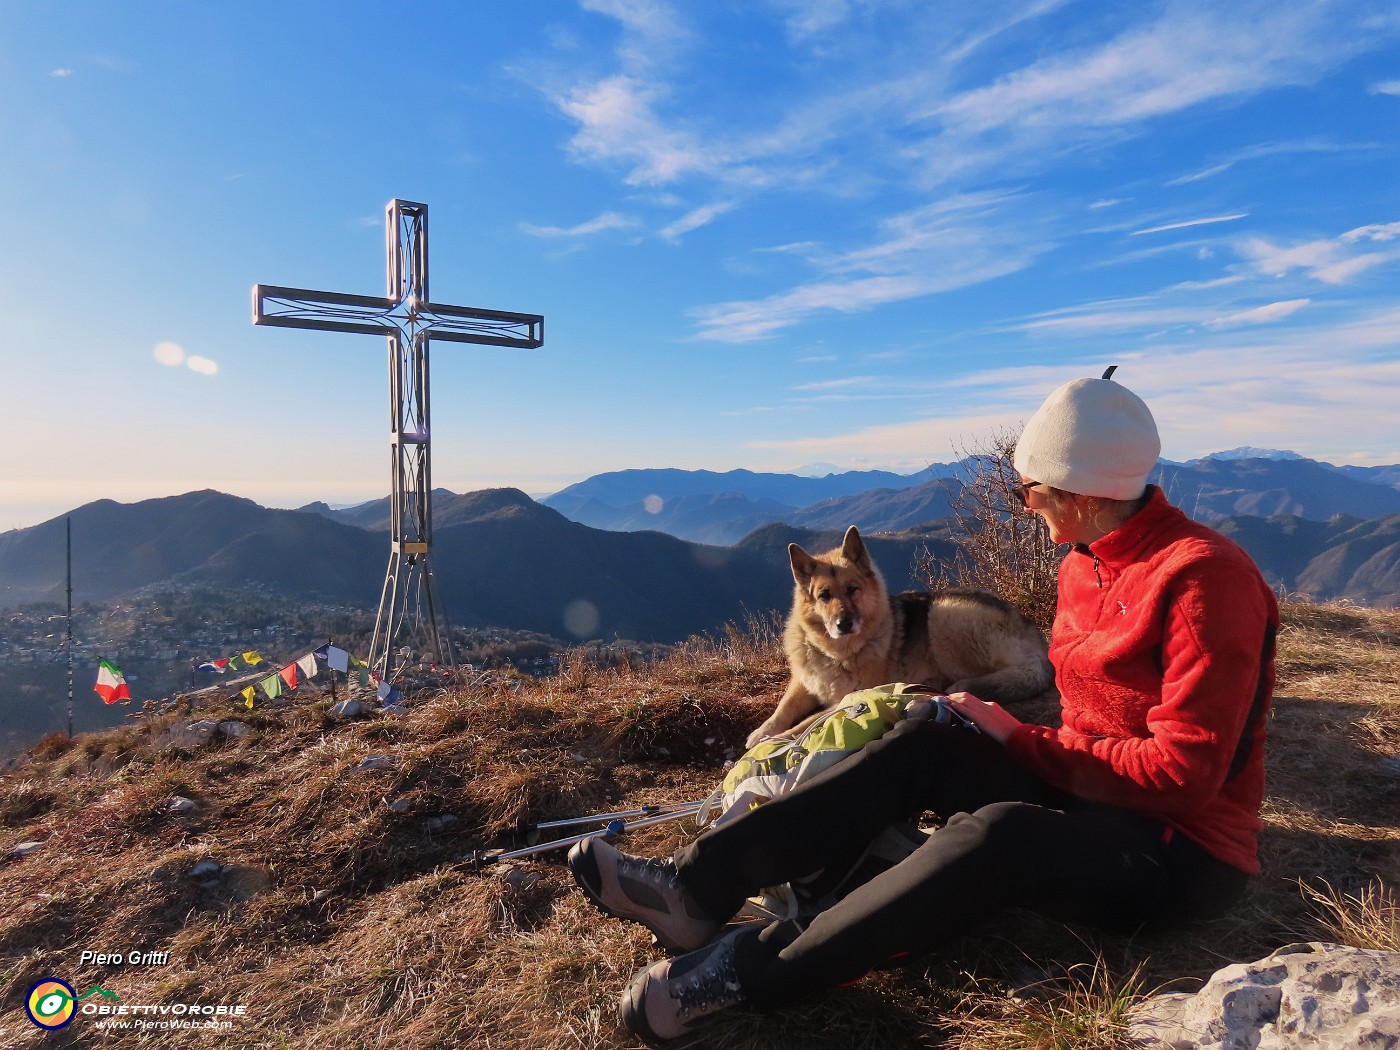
(1000, 548)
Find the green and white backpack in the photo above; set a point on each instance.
(777, 765)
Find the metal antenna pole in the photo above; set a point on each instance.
(68, 522)
(410, 320)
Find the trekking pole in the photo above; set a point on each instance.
(601, 818)
(614, 828)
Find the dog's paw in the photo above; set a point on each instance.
(769, 729)
(759, 734)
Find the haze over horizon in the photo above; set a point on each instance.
(762, 235)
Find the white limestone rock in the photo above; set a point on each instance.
(348, 709)
(1309, 996)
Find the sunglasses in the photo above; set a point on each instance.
(1022, 490)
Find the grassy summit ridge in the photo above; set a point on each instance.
(339, 917)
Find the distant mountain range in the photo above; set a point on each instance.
(502, 559)
(723, 508)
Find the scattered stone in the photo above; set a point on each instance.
(206, 868)
(399, 805)
(393, 710)
(1391, 765)
(348, 709)
(26, 848)
(579, 757)
(191, 735)
(370, 763)
(664, 752)
(1314, 995)
(709, 741)
(235, 730)
(243, 882)
(441, 821)
(519, 879)
(180, 804)
(319, 896)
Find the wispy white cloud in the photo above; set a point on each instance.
(1214, 169)
(1260, 314)
(171, 355)
(608, 220)
(1265, 150)
(60, 72)
(693, 220)
(1332, 261)
(806, 18)
(1377, 232)
(837, 384)
(1185, 224)
(1386, 87)
(618, 124)
(950, 244)
(1091, 321)
(1205, 396)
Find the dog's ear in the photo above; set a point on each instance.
(853, 549)
(803, 564)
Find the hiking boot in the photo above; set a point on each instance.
(673, 997)
(644, 890)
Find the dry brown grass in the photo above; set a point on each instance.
(343, 922)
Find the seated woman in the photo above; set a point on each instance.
(1141, 809)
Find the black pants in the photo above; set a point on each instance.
(1010, 840)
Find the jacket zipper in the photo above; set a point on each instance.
(1083, 548)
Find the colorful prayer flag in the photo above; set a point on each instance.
(307, 666)
(213, 666)
(338, 660)
(248, 694)
(272, 686)
(111, 685)
(289, 675)
(251, 658)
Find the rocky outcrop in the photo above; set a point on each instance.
(1311, 996)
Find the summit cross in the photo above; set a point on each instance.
(410, 320)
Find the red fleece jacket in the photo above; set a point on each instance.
(1162, 642)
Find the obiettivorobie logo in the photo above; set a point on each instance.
(51, 1003)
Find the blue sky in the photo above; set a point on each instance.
(763, 233)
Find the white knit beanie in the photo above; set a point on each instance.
(1092, 437)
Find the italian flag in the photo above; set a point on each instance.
(111, 686)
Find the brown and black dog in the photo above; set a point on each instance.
(846, 632)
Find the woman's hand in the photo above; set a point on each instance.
(994, 720)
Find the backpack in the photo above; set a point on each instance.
(777, 765)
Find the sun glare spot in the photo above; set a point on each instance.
(653, 504)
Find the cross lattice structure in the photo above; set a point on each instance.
(410, 320)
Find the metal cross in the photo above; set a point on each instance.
(410, 320)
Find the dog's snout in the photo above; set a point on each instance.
(845, 623)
